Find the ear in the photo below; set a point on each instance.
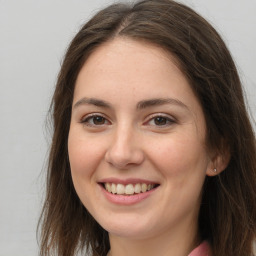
(218, 163)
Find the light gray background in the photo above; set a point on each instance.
(33, 37)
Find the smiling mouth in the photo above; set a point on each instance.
(129, 189)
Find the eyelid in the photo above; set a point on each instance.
(169, 118)
(86, 117)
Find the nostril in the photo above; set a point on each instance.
(124, 158)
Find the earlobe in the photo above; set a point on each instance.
(218, 164)
(211, 171)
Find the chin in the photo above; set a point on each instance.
(127, 227)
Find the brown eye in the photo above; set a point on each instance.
(95, 120)
(98, 120)
(159, 120)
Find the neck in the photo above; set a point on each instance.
(171, 244)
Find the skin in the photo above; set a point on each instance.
(127, 141)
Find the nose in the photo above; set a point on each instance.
(125, 149)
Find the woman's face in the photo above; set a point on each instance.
(137, 142)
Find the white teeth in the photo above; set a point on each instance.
(137, 188)
(108, 187)
(113, 188)
(144, 187)
(120, 189)
(129, 189)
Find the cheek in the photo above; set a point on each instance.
(84, 156)
(180, 155)
(182, 162)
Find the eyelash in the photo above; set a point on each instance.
(86, 120)
(167, 120)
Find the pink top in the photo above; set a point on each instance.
(202, 250)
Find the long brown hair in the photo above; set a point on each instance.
(228, 209)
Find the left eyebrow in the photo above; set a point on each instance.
(160, 101)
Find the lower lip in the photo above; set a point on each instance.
(127, 200)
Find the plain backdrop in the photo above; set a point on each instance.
(33, 39)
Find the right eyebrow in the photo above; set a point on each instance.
(92, 101)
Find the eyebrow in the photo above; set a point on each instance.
(140, 105)
(160, 101)
(92, 101)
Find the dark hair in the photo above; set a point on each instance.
(228, 209)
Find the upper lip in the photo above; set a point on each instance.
(127, 181)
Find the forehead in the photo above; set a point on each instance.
(129, 64)
(133, 50)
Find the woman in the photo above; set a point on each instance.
(153, 152)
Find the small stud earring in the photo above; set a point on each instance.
(215, 170)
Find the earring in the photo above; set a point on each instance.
(215, 170)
